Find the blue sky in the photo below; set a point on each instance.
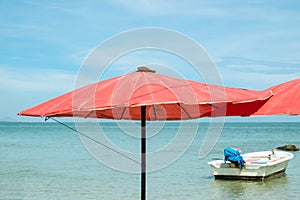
(254, 44)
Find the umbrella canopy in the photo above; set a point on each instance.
(165, 98)
(144, 95)
(285, 100)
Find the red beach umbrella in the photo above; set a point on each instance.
(165, 98)
(285, 100)
(144, 95)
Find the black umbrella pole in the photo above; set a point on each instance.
(143, 152)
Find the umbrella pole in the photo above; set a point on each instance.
(143, 152)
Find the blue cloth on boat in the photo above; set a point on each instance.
(234, 156)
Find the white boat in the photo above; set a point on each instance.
(259, 165)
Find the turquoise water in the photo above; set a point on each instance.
(48, 161)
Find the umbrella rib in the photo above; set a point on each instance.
(92, 139)
(212, 105)
(184, 110)
(89, 114)
(123, 112)
(154, 111)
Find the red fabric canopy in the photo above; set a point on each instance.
(285, 100)
(165, 98)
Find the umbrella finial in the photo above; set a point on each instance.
(145, 69)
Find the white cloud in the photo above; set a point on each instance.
(229, 10)
(257, 77)
(50, 80)
(280, 46)
(163, 8)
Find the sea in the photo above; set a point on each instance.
(47, 160)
